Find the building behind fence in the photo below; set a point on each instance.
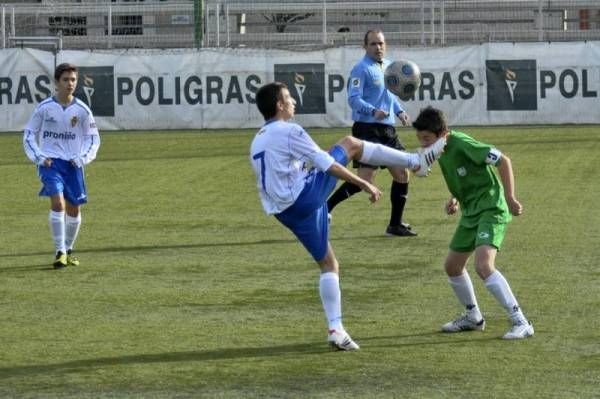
(156, 24)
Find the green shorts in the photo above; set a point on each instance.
(486, 232)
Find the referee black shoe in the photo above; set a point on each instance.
(402, 230)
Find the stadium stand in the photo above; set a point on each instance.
(155, 24)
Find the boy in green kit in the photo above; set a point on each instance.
(487, 205)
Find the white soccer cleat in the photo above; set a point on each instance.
(427, 156)
(520, 330)
(464, 323)
(340, 340)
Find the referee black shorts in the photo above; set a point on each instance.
(376, 133)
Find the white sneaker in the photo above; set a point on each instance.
(463, 323)
(427, 156)
(520, 330)
(341, 340)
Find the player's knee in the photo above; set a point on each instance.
(452, 269)
(484, 270)
(352, 145)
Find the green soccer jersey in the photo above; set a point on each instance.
(473, 181)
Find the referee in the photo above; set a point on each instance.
(373, 110)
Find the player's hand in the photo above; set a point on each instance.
(374, 193)
(451, 206)
(404, 118)
(47, 162)
(76, 162)
(379, 114)
(514, 206)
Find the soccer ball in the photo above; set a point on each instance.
(403, 78)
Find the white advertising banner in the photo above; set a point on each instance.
(494, 83)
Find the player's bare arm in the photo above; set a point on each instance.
(343, 173)
(505, 171)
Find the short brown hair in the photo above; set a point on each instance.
(431, 119)
(267, 97)
(62, 68)
(366, 38)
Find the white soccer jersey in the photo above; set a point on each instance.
(280, 153)
(68, 133)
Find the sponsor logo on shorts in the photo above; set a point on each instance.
(462, 171)
(484, 234)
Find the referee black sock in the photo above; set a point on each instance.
(399, 193)
(345, 191)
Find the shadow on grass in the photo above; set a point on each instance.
(43, 268)
(142, 248)
(427, 338)
(437, 338)
(173, 357)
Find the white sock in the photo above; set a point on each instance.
(57, 228)
(498, 286)
(72, 225)
(380, 155)
(463, 289)
(331, 297)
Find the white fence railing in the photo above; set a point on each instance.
(309, 24)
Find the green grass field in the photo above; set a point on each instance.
(188, 290)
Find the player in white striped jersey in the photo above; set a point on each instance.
(60, 138)
(294, 177)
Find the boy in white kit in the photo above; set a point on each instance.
(61, 137)
(297, 196)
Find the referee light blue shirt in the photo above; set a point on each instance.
(367, 93)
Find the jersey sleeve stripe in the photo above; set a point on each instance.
(30, 136)
(90, 147)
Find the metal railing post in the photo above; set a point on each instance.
(324, 21)
(540, 21)
(442, 23)
(228, 43)
(206, 38)
(109, 33)
(422, 22)
(218, 17)
(3, 26)
(12, 23)
(432, 40)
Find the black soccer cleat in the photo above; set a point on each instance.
(403, 230)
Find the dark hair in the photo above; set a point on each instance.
(62, 68)
(431, 119)
(267, 97)
(366, 39)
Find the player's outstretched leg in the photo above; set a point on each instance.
(377, 154)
